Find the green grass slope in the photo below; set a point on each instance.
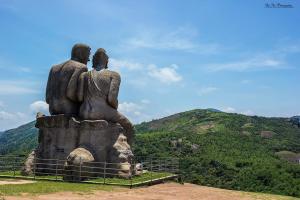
(217, 149)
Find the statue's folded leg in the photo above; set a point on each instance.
(125, 123)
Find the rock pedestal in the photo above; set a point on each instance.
(66, 138)
(58, 136)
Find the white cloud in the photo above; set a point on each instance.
(133, 111)
(228, 110)
(139, 75)
(233, 110)
(117, 65)
(39, 106)
(183, 38)
(12, 116)
(13, 119)
(254, 64)
(2, 105)
(247, 112)
(206, 90)
(128, 107)
(6, 115)
(164, 74)
(16, 88)
(10, 119)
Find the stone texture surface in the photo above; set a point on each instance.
(58, 136)
(84, 123)
(61, 92)
(63, 137)
(73, 166)
(27, 169)
(138, 169)
(98, 92)
(121, 154)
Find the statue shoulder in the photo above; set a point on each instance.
(115, 75)
(77, 64)
(56, 68)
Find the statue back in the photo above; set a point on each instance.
(62, 87)
(99, 93)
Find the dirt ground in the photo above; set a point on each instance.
(167, 191)
(14, 182)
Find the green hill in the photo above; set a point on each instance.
(20, 140)
(225, 150)
(217, 149)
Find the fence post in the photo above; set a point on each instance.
(132, 168)
(151, 171)
(80, 170)
(14, 166)
(173, 166)
(34, 167)
(159, 165)
(56, 169)
(181, 176)
(104, 172)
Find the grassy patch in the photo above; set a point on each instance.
(42, 187)
(121, 181)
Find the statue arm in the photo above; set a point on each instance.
(80, 92)
(48, 89)
(114, 90)
(73, 83)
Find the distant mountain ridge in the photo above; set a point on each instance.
(219, 149)
(296, 117)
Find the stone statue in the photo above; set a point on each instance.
(98, 91)
(85, 128)
(62, 82)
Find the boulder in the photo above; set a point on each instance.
(76, 164)
(121, 154)
(267, 134)
(28, 168)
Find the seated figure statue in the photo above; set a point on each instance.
(61, 92)
(98, 91)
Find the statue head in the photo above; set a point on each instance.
(81, 53)
(100, 59)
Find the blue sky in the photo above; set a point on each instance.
(236, 56)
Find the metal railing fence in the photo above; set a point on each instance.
(139, 171)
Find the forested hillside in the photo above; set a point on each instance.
(218, 149)
(227, 150)
(20, 140)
